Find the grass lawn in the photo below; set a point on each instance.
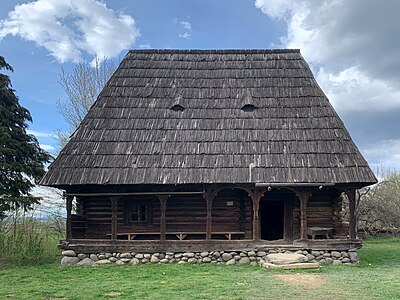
(377, 277)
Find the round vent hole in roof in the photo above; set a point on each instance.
(177, 107)
(249, 107)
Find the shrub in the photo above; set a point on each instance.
(26, 239)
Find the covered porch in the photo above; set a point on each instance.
(225, 217)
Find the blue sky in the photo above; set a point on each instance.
(353, 50)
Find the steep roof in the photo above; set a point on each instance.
(133, 134)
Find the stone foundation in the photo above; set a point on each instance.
(252, 257)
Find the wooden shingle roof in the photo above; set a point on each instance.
(133, 134)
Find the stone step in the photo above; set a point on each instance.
(292, 266)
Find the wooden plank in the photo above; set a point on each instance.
(352, 214)
(132, 194)
(69, 221)
(163, 206)
(288, 220)
(303, 196)
(114, 207)
(256, 195)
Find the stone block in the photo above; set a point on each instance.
(93, 257)
(154, 259)
(286, 258)
(261, 253)
(102, 262)
(69, 260)
(85, 262)
(244, 260)
(70, 253)
(226, 256)
(134, 261)
(126, 255)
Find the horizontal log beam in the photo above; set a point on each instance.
(131, 194)
(294, 184)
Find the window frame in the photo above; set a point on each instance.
(139, 204)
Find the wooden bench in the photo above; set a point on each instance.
(324, 231)
(229, 234)
(180, 235)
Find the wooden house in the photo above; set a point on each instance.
(210, 150)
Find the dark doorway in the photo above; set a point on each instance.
(271, 213)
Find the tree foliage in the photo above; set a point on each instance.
(21, 159)
(379, 206)
(82, 86)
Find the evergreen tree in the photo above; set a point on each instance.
(21, 159)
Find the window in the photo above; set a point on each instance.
(177, 107)
(139, 212)
(248, 107)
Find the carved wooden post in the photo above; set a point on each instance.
(288, 220)
(352, 214)
(303, 196)
(114, 217)
(69, 221)
(209, 196)
(163, 208)
(256, 196)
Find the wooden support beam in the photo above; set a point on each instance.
(288, 220)
(132, 194)
(352, 214)
(303, 196)
(69, 221)
(163, 208)
(256, 195)
(209, 196)
(114, 220)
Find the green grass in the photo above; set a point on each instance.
(377, 277)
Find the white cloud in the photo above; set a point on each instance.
(352, 48)
(384, 154)
(69, 28)
(185, 35)
(145, 46)
(47, 147)
(352, 90)
(40, 134)
(186, 25)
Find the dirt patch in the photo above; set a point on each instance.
(310, 281)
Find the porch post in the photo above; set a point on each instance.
(288, 220)
(163, 208)
(256, 196)
(352, 214)
(69, 221)
(114, 217)
(209, 196)
(303, 196)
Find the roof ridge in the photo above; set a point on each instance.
(214, 51)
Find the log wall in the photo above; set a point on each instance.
(231, 211)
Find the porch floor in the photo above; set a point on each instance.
(152, 246)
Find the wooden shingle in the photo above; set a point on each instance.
(132, 136)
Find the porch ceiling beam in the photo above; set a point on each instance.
(294, 184)
(131, 194)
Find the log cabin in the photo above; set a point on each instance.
(208, 150)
